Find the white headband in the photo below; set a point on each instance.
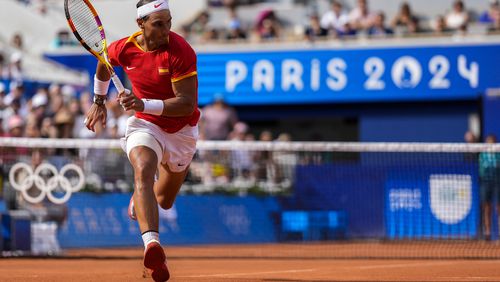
(152, 7)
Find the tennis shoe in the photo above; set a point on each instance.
(131, 210)
(155, 260)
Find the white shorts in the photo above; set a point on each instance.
(174, 149)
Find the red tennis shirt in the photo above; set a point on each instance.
(152, 74)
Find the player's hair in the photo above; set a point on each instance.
(142, 3)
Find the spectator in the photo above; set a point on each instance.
(242, 161)
(360, 17)
(15, 67)
(405, 19)
(495, 27)
(315, 30)
(346, 32)
(16, 93)
(439, 26)
(48, 129)
(489, 175)
(63, 39)
(200, 29)
(4, 70)
(218, 119)
(492, 14)
(15, 125)
(235, 27)
(2, 97)
(470, 137)
(335, 19)
(268, 26)
(458, 18)
(17, 41)
(39, 104)
(379, 29)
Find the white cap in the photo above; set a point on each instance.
(39, 100)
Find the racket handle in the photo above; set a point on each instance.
(118, 84)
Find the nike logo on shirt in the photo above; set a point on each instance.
(131, 68)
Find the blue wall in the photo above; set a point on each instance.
(102, 220)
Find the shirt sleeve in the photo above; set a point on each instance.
(183, 62)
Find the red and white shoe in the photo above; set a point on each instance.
(155, 260)
(131, 211)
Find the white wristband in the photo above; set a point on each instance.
(101, 87)
(153, 107)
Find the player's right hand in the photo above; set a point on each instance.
(97, 113)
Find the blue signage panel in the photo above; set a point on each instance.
(428, 205)
(102, 220)
(310, 75)
(349, 75)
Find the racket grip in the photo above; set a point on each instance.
(118, 84)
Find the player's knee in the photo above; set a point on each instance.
(144, 170)
(165, 203)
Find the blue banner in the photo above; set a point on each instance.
(427, 205)
(349, 75)
(102, 220)
(311, 75)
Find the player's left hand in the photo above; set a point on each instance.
(130, 102)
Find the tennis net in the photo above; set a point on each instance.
(262, 199)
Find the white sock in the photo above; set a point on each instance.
(150, 236)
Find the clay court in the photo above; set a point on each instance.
(318, 262)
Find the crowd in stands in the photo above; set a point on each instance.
(339, 22)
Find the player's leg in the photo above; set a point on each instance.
(144, 161)
(144, 152)
(168, 185)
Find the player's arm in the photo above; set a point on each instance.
(183, 104)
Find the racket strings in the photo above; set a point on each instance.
(86, 25)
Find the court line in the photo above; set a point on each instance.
(404, 265)
(250, 273)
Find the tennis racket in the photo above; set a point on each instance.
(87, 28)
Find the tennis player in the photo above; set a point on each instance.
(161, 137)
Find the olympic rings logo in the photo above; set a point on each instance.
(35, 179)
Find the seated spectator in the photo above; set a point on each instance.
(379, 29)
(495, 26)
(346, 32)
(439, 26)
(405, 19)
(63, 39)
(4, 70)
(492, 14)
(2, 97)
(234, 26)
(458, 18)
(15, 126)
(335, 19)
(315, 30)
(268, 26)
(17, 41)
(200, 29)
(360, 17)
(15, 67)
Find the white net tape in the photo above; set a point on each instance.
(266, 146)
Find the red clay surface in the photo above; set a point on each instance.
(271, 263)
